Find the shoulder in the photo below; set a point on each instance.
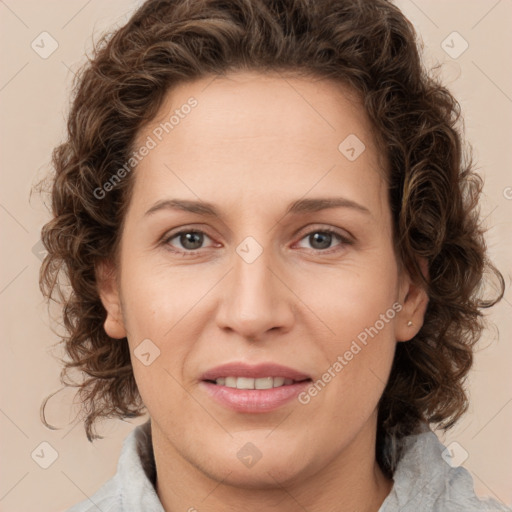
(425, 479)
(132, 487)
(106, 499)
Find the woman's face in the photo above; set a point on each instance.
(271, 277)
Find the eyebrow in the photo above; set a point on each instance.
(300, 206)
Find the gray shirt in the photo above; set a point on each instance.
(423, 481)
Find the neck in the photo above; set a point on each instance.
(350, 481)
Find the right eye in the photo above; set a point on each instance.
(190, 240)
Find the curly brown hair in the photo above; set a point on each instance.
(433, 189)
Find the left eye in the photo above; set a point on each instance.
(192, 240)
(323, 238)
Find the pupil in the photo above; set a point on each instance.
(321, 237)
(187, 238)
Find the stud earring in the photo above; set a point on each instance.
(409, 324)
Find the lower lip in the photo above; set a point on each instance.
(254, 400)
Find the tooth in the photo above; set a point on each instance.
(230, 382)
(264, 383)
(245, 383)
(250, 383)
(278, 381)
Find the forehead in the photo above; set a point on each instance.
(259, 135)
(259, 105)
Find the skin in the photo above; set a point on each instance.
(253, 145)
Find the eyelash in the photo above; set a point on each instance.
(344, 240)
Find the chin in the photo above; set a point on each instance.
(256, 469)
(262, 476)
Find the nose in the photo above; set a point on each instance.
(256, 298)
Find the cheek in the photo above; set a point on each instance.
(360, 309)
(157, 296)
(349, 386)
(156, 305)
(352, 298)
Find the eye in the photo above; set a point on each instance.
(321, 239)
(190, 240)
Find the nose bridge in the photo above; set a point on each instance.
(251, 272)
(255, 300)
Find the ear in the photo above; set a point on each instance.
(110, 297)
(414, 300)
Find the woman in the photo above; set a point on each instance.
(270, 231)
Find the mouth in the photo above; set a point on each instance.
(254, 383)
(240, 374)
(248, 398)
(249, 388)
(260, 388)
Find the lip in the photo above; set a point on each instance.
(240, 369)
(253, 400)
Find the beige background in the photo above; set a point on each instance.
(34, 96)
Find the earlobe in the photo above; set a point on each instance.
(110, 297)
(414, 300)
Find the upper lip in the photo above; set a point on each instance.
(241, 369)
